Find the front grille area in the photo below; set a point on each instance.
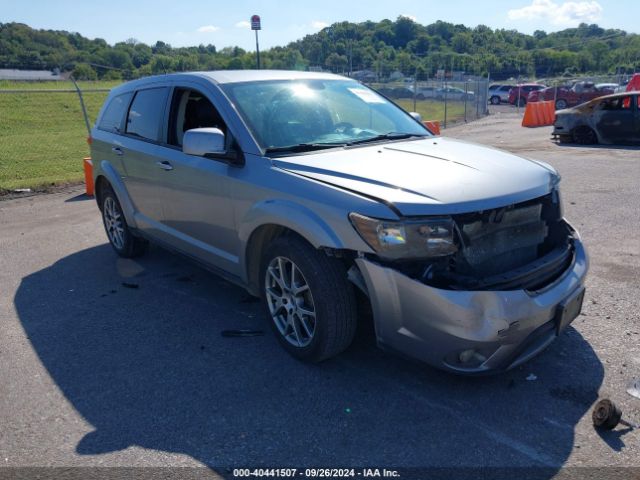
(522, 246)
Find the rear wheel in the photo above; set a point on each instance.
(522, 102)
(120, 237)
(311, 304)
(585, 135)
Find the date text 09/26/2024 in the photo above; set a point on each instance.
(316, 472)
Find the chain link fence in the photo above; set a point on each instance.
(43, 132)
(448, 102)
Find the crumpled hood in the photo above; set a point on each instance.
(431, 176)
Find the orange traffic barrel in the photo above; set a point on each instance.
(539, 114)
(88, 175)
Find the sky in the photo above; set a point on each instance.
(226, 23)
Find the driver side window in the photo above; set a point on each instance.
(191, 109)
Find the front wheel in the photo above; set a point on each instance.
(120, 237)
(561, 104)
(495, 100)
(585, 135)
(311, 304)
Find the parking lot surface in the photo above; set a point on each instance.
(113, 362)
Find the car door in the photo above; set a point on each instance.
(105, 135)
(198, 217)
(504, 92)
(140, 150)
(616, 119)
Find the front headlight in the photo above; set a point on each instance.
(428, 237)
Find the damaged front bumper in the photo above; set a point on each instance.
(471, 332)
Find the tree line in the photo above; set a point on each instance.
(378, 47)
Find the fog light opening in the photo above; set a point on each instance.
(471, 357)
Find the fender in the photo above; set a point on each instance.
(287, 214)
(120, 190)
(291, 215)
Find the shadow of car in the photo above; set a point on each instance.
(148, 366)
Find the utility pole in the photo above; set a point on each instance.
(255, 26)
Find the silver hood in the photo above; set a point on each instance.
(426, 177)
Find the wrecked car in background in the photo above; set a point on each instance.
(613, 119)
(305, 188)
(566, 97)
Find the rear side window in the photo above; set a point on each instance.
(506, 88)
(113, 115)
(145, 114)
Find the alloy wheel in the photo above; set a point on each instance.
(290, 302)
(113, 222)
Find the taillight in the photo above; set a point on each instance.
(89, 140)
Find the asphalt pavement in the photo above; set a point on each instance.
(106, 362)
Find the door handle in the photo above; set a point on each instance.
(117, 150)
(165, 165)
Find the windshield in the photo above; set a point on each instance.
(315, 114)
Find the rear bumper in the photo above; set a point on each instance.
(503, 328)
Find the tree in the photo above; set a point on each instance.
(337, 62)
(82, 71)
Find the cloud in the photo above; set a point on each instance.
(319, 25)
(567, 13)
(207, 29)
(243, 24)
(410, 17)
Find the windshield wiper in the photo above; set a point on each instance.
(303, 147)
(386, 136)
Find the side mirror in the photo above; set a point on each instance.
(203, 141)
(417, 116)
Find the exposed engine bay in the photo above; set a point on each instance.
(522, 246)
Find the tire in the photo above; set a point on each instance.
(118, 232)
(495, 100)
(420, 96)
(322, 289)
(561, 104)
(584, 135)
(523, 102)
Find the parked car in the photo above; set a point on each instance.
(634, 83)
(565, 97)
(396, 92)
(426, 92)
(613, 119)
(518, 94)
(611, 86)
(454, 93)
(499, 93)
(311, 190)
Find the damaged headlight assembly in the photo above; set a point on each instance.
(407, 239)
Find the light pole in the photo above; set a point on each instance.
(255, 26)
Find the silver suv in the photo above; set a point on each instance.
(312, 191)
(499, 93)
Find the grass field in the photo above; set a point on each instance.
(43, 135)
(434, 110)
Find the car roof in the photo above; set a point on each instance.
(618, 95)
(228, 76)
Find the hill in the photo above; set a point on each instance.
(382, 47)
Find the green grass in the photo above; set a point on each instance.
(434, 109)
(56, 85)
(43, 137)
